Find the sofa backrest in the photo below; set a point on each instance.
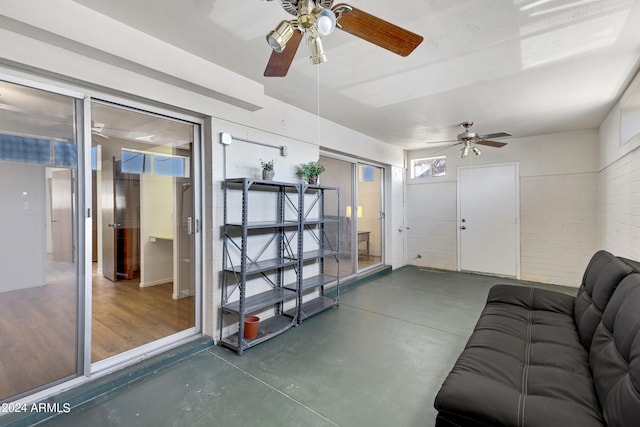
(601, 277)
(634, 264)
(615, 356)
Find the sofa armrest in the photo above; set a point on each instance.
(531, 298)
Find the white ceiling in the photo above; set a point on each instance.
(527, 67)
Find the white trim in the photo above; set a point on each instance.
(156, 282)
(138, 354)
(36, 84)
(88, 239)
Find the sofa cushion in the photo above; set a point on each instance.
(602, 275)
(615, 356)
(523, 365)
(634, 264)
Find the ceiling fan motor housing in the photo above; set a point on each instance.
(293, 6)
(467, 136)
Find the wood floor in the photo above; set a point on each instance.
(38, 326)
(365, 261)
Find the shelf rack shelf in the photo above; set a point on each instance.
(281, 235)
(317, 214)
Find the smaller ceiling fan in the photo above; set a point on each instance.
(471, 140)
(97, 128)
(318, 18)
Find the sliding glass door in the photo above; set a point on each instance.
(143, 278)
(68, 299)
(40, 294)
(339, 173)
(370, 214)
(362, 212)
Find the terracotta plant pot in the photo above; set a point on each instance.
(251, 327)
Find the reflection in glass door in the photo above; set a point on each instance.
(362, 213)
(339, 173)
(143, 278)
(39, 259)
(370, 215)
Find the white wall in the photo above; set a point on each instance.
(157, 218)
(395, 221)
(369, 198)
(42, 40)
(431, 218)
(23, 214)
(558, 197)
(619, 180)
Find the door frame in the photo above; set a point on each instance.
(83, 95)
(516, 166)
(355, 162)
(117, 361)
(381, 214)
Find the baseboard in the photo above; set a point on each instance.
(156, 282)
(182, 294)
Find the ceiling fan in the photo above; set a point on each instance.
(471, 140)
(97, 128)
(318, 18)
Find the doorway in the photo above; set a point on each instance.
(489, 219)
(370, 216)
(74, 298)
(361, 212)
(143, 278)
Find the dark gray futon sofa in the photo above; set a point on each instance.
(542, 358)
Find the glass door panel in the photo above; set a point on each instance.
(143, 279)
(39, 286)
(339, 173)
(370, 215)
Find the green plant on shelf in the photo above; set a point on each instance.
(267, 166)
(310, 171)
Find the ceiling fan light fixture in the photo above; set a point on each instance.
(325, 21)
(476, 151)
(279, 37)
(316, 49)
(464, 151)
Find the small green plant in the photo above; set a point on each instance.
(268, 166)
(310, 169)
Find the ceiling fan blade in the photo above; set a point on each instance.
(495, 135)
(279, 63)
(446, 147)
(489, 143)
(375, 30)
(443, 141)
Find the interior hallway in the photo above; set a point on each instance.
(376, 360)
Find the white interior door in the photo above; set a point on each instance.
(489, 219)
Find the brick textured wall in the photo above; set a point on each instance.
(619, 206)
(559, 227)
(559, 182)
(431, 214)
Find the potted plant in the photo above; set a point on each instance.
(311, 171)
(267, 170)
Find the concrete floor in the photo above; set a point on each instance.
(377, 360)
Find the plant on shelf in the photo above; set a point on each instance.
(267, 169)
(311, 171)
